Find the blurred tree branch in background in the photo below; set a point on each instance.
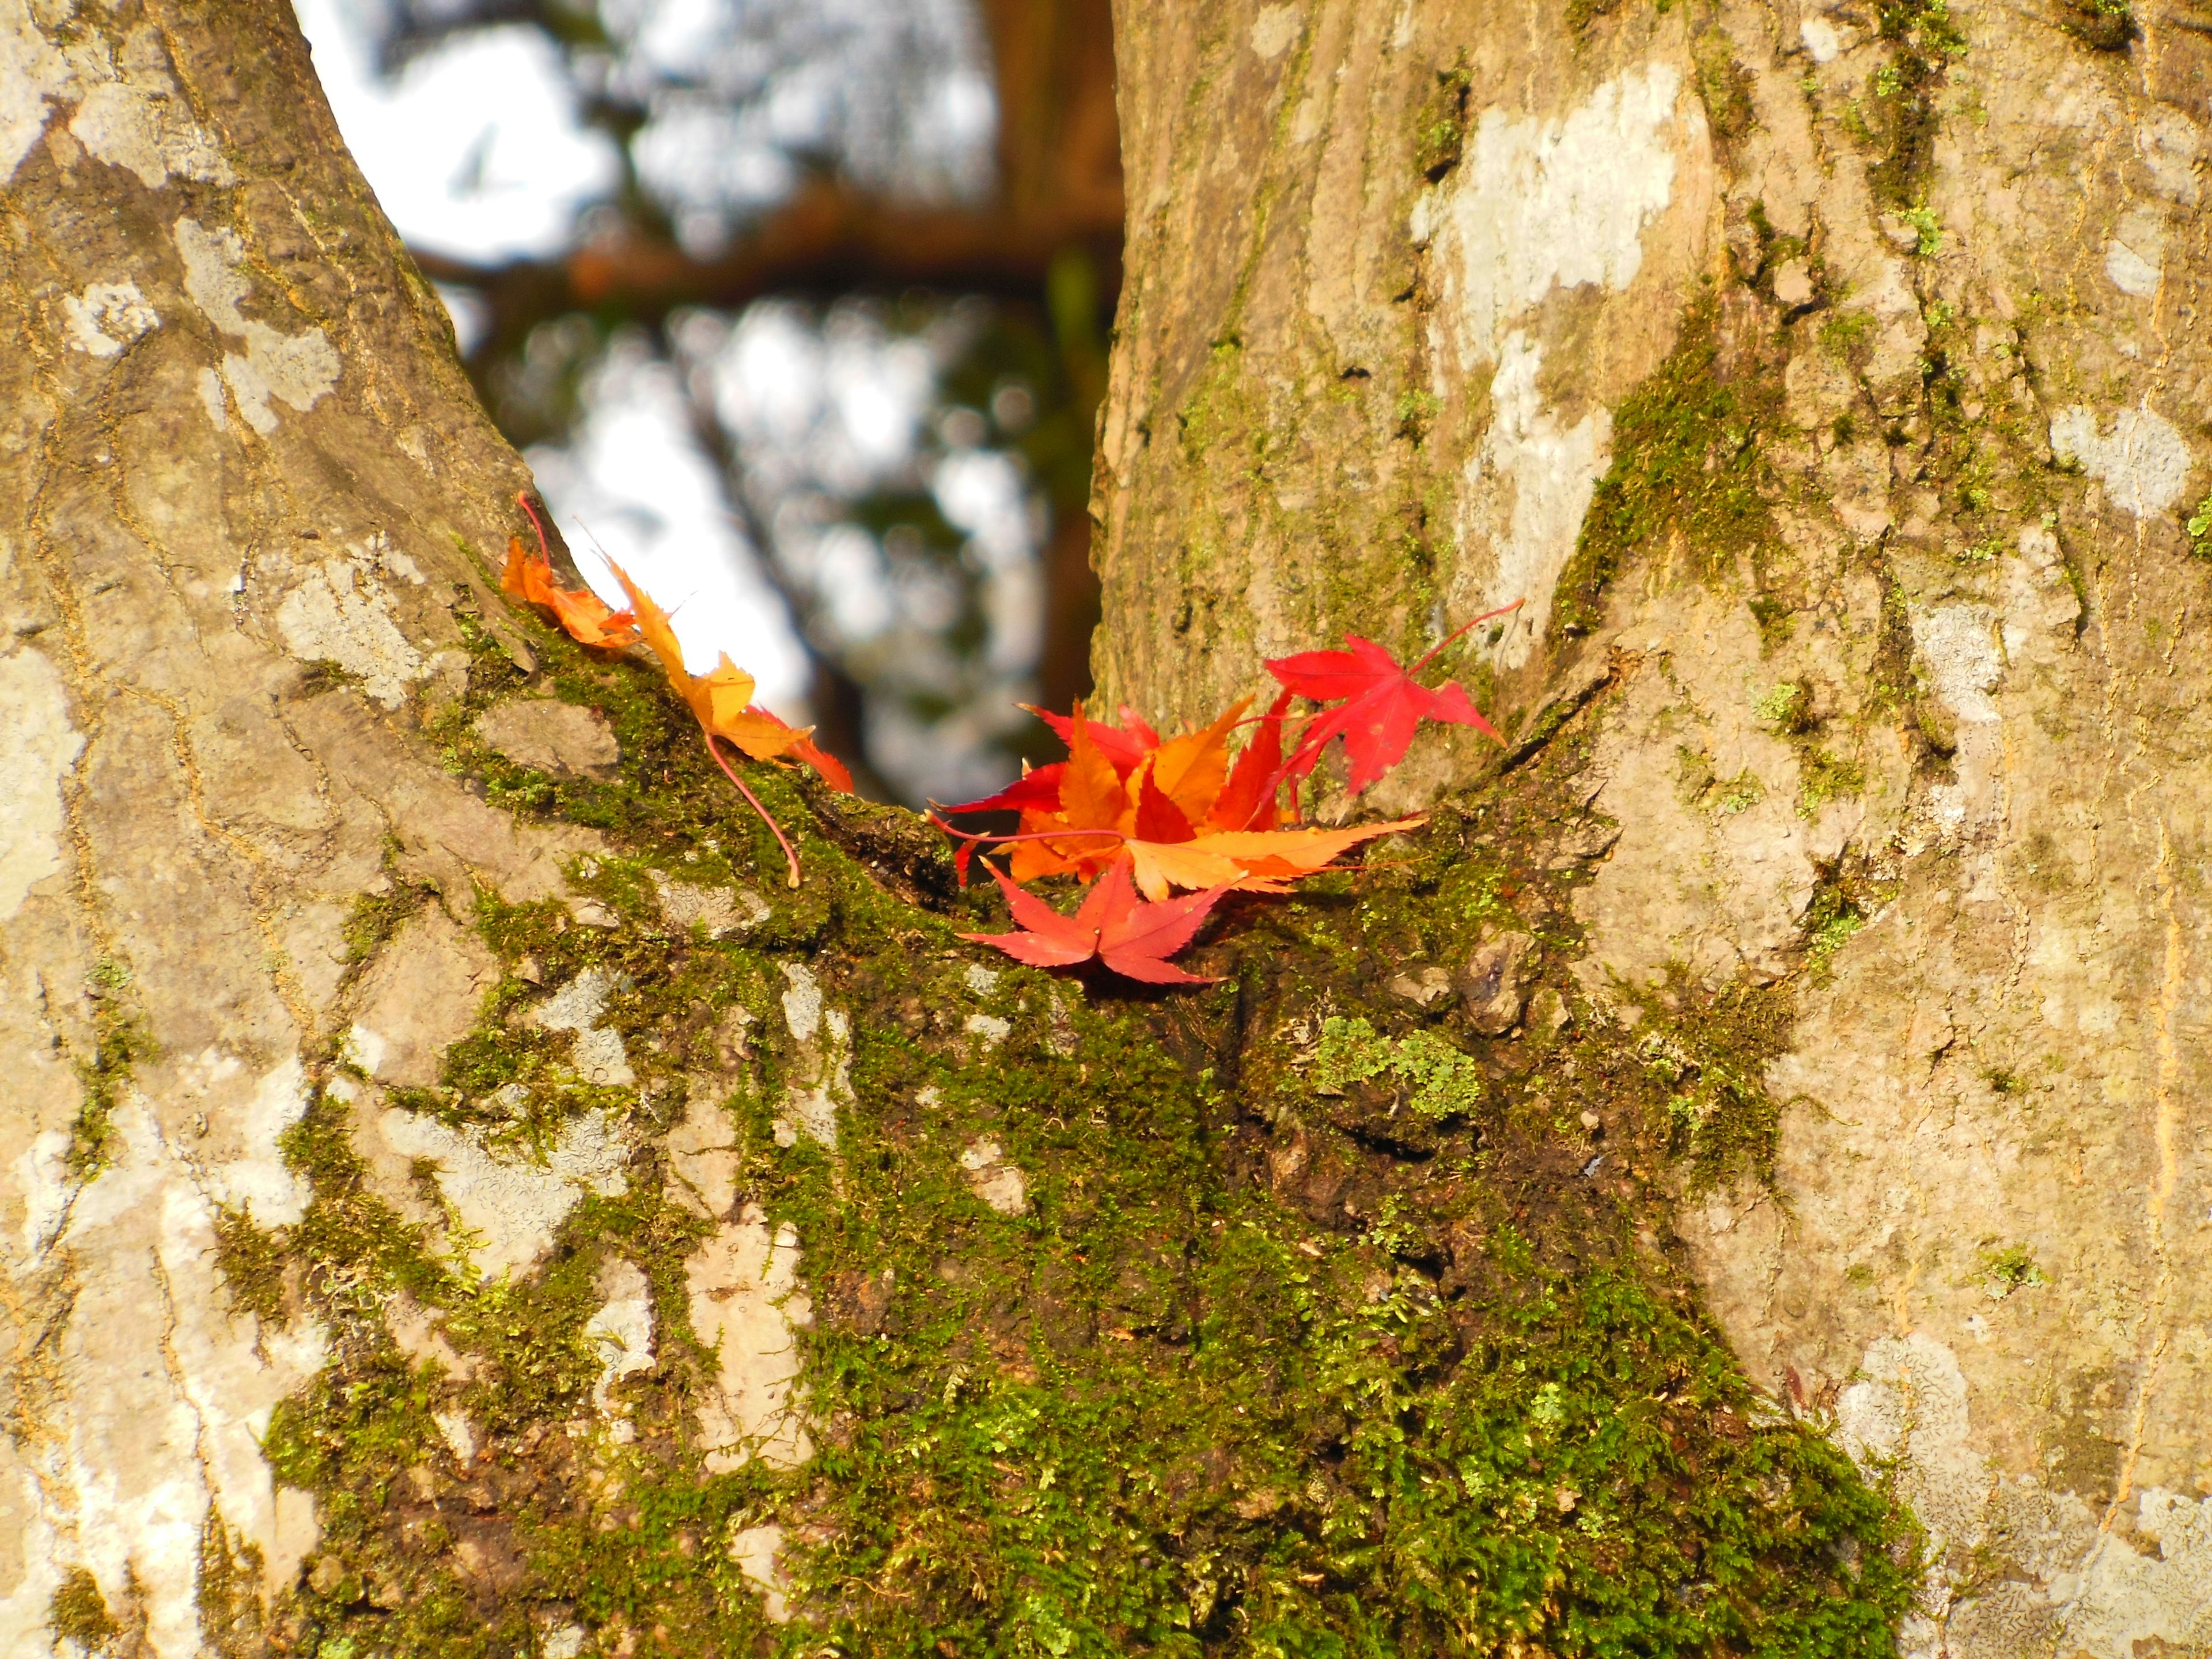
(1043, 245)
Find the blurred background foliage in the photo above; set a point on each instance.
(798, 309)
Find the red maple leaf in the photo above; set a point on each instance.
(1132, 938)
(1379, 703)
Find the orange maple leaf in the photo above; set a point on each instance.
(1254, 861)
(1172, 817)
(586, 618)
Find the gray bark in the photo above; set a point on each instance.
(1832, 383)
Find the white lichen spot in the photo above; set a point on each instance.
(812, 1100)
(980, 980)
(2170, 143)
(2136, 258)
(340, 613)
(1538, 203)
(32, 73)
(745, 1301)
(458, 1432)
(720, 910)
(363, 1048)
(41, 1175)
(141, 125)
(621, 1332)
(1273, 30)
(755, 1550)
(38, 749)
(209, 386)
(298, 370)
(821, 1076)
(245, 1170)
(1544, 202)
(107, 317)
(565, 1642)
(993, 1029)
(704, 1156)
(2131, 1600)
(991, 1178)
(1909, 1408)
(1959, 646)
(1821, 39)
(597, 1052)
(509, 1208)
(802, 1002)
(1552, 469)
(155, 1397)
(2141, 458)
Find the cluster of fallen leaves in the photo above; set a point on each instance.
(1128, 811)
(722, 700)
(1136, 813)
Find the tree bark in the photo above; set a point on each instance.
(1831, 385)
(456, 1201)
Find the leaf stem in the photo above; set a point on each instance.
(751, 799)
(1471, 621)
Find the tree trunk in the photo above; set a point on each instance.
(456, 1201)
(1830, 384)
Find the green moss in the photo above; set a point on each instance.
(1688, 464)
(79, 1612)
(1430, 1395)
(252, 1262)
(1846, 336)
(119, 1042)
(1926, 39)
(2198, 528)
(1926, 231)
(1708, 1054)
(1436, 1080)
(2101, 25)
(2010, 1268)
(1441, 125)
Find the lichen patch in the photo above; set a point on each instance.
(32, 75)
(106, 316)
(999, 1183)
(1547, 469)
(621, 1332)
(597, 1054)
(508, 1208)
(2140, 456)
(339, 612)
(745, 1302)
(38, 750)
(756, 1550)
(298, 370)
(157, 1393)
(1542, 203)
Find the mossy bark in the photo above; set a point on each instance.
(1830, 384)
(457, 1201)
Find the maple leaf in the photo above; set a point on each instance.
(586, 618)
(1180, 818)
(1125, 746)
(1249, 800)
(1133, 939)
(1379, 703)
(721, 702)
(1252, 861)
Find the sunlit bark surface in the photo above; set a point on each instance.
(1830, 384)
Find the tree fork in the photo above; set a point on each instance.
(513, 1221)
